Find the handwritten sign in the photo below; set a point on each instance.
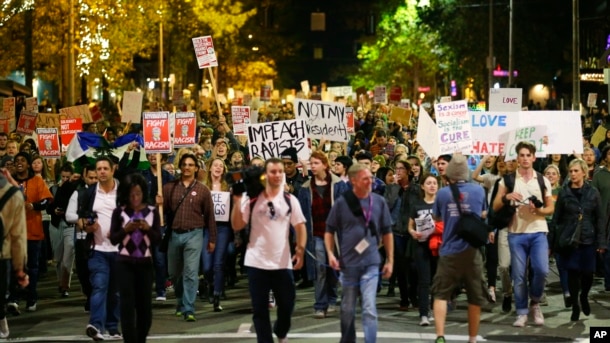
(380, 96)
(27, 122)
(324, 119)
(204, 51)
(132, 107)
(342, 91)
(454, 129)
(599, 135)
(271, 139)
(537, 135)
(48, 142)
(222, 205)
(81, 111)
(49, 120)
(185, 129)
(487, 127)
(429, 141)
(156, 132)
(505, 99)
(241, 119)
(564, 134)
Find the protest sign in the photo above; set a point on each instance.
(599, 135)
(349, 114)
(429, 140)
(592, 100)
(27, 122)
(8, 108)
(446, 98)
(537, 135)
(204, 51)
(241, 119)
(156, 132)
(380, 96)
(265, 93)
(253, 116)
(4, 126)
(487, 127)
(505, 99)
(324, 119)
(31, 104)
(222, 205)
(48, 142)
(271, 139)
(186, 128)
(342, 91)
(49, 120)
(401, 115)
(395, 94)
(564, 134)
(80, 111)
(69, 128)
(454, 129)
(132, 107)
(96, 113)
(305, 87)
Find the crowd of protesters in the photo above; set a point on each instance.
(204, 257)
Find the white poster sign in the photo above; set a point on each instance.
(380, 95)
(132, 107)
(534, 134)
(344, 91)
(222, 209)
(487, 127)
(324, 119)
(241, 119)
(305, 87)
(204, 51)
(505, 99)
(428, 141)
(454, 129)
(271, 139)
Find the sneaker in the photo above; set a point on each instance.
(114, 334)
(94, 333)
(271, 300)
(506, 303)
(65, 294)
(319, 314)
(440, 339)
(13, 308)
(178, 313)
(160, 298)
(331, 309)
(190, 318)
(424, 321)
(538, 317)
(491, 295)
(521, 321)
(31, 308)
(4, 328)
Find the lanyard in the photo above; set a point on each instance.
(367, 215)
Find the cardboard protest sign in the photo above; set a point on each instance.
(305, 87)
(156, 132)
(349, 114)
(429, 140)
(8, 108)
(48, 142)
(401, 115)
(395, 94)
(380, 96)
(598, 136)
(324, 119)
(271, 139)
(132, 107)
(204, 51)
(505, 99)
(265, 93)
(592, 100)
(31, 104)
(536, 135)
(342, 91)
(487, 127)
(49, 120)
(80, 111)
(222, 205)
(454, 129)
(241, 119)
(69, 128)
(186, 128)
(27, 122)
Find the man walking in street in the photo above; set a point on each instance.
(189, 205)
(359, 219)
(270, 215)
(527, 232)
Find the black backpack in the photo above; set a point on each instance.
(246, 236)
(502, 218)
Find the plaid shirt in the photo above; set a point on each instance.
(320, 207)
(196, 211)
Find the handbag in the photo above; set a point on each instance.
(569, 240)
(164, 244)
(470, 227)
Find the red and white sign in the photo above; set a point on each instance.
(241, 119)
(80, 111)
(380, 95)
(395, 94)
(204, 50)
(27, 122)
(349, 114)
(8, 109)
(96, 113)
(156, 132)
(266, 93)
(185, 129)
(4, 126)
(69, 128)
(31, 104)
(48, 142)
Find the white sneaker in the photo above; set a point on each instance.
(424, 321)
(31, 308)
(4, 328)
(331, 309)
(319, 314)
(271, 300)
(160, 298)
(521, 321)
(94, 333)
(537, 312)
(491, 295)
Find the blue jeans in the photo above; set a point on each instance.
(160, 260)
(535, 247)
(105, 310)
(355, 281)
(281, 282)
(213, 263)
(183, 256)
(326, 281)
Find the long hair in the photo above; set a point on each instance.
(124, 189)
(224, 186)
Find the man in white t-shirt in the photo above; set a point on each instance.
(268, 252)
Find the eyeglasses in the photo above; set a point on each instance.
(271, 209)
(400, 168)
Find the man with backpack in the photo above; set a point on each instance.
(527, 231)
(268, 259)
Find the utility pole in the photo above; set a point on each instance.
(575, 57)
(71, 101)
(490, 58)
(510, 44)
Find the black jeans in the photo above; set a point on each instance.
(135, 286)
(4, 281)
(81, 258)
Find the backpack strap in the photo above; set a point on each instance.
(7, 195)
(540, 179)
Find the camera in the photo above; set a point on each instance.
(534, 200)
(249, 180)
(90, 217)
